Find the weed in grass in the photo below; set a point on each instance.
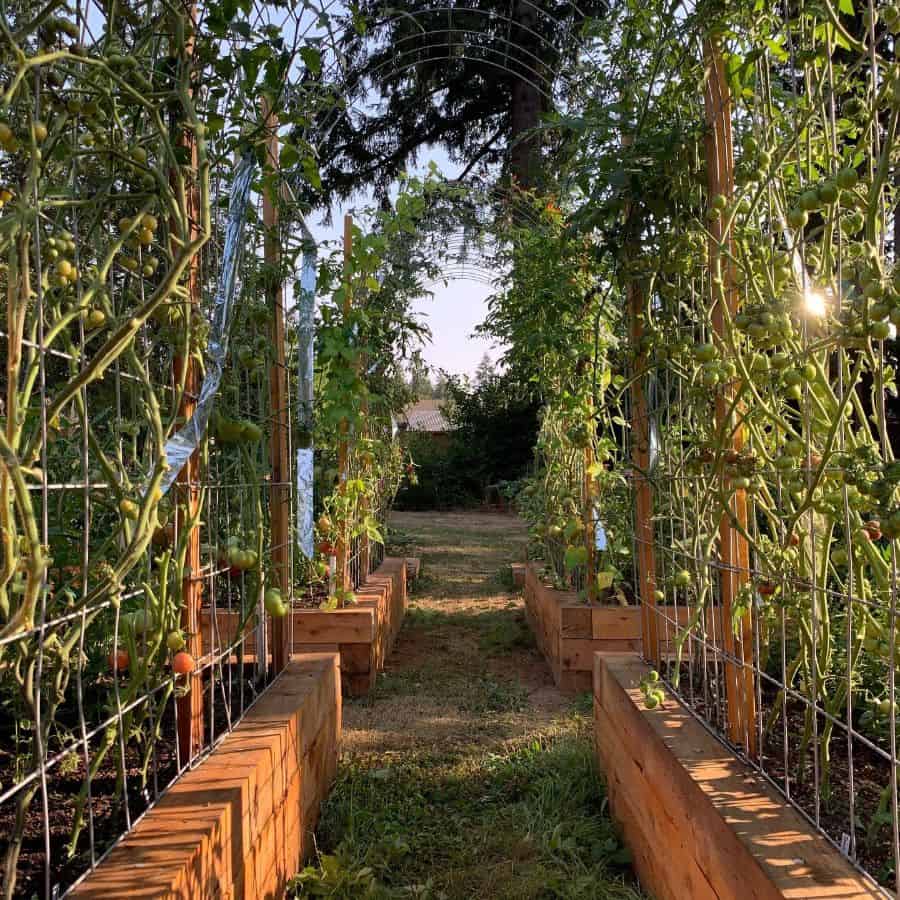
(502, 631)
(492, 696)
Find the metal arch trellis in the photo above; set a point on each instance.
(502, 57)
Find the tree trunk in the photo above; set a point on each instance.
(525, 101)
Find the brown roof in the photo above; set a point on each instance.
(425, 415)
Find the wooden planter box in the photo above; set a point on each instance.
(241, 823)
(362, 634)
(700, 823)
(569, 631)
(518, 574)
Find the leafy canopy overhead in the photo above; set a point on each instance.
(468, 76)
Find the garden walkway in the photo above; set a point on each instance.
(466, 773)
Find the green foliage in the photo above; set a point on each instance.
(494, 426)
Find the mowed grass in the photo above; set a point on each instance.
(466, 774)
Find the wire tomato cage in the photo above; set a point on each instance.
(762, 436)
(138, 545)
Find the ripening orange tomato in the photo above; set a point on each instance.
(183, 664)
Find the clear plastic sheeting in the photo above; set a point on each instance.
(600, 541)
(182, 444)
(653, 389)
(306, 325)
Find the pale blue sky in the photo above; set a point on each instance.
(455, 309)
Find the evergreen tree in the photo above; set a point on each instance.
(485, 371)
(419, 380)
(472, 77)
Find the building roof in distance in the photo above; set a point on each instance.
(425, 415)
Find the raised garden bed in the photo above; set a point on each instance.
(569, 631)
(363, 634)
(698, 821)
(240, 823)
(517, 570)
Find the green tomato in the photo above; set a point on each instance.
(880, 331)
(828, 192)
(274, 603)
(250, 432)
(797, 218)
(175, 641)
(682, 578)
(809, 201)
(873, 289)
(879, 311)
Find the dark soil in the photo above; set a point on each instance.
(65, 780)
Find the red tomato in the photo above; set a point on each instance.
(118, 660)
(873, 529)
(183, 664)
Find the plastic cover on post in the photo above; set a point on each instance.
(181, 445)
(306, 324)
(653, 436)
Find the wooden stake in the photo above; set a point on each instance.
(645, 564)
(279, 486)
(734, 551)
(590, 542)
(187, 487)
(645, 570)
(343, 548)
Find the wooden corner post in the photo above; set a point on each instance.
(643, 493)
(279, 454)
(343, 544)
(589, 493)
(186, 371)
(737, 637)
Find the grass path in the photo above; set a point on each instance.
(466, 774)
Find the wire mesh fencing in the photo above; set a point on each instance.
(134, 632)
(765, 479)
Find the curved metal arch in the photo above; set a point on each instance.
(471, 261)
(491, 16)
(540, 82)
(450, 10)
(504, 42)
(444, 45)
